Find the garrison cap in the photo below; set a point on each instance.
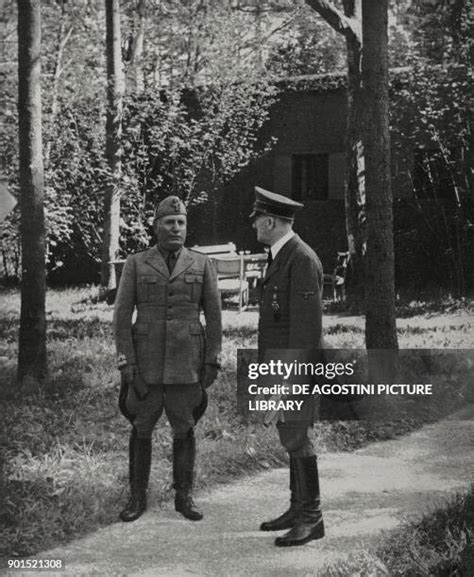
(171, 205)
(273, 204)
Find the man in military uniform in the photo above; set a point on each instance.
(290, 324)
(166, 358)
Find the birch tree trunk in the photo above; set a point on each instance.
(32, 362)
(349, 25)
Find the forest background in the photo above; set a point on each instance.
(227, 57)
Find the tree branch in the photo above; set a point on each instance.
(284, 24)
(349, 27)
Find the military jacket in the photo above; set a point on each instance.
(167, 340)
(291, 300)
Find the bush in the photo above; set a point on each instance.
(442, 543)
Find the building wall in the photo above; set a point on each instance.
(304, 121)
(308, 122)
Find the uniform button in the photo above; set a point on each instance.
(170, 317)
(170, 294)
(170, 306)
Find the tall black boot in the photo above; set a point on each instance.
(184, 454)
(287, 519)
(131, 455)
(139, 470)
(309, 519)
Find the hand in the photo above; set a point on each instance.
(128, 374)
(131, 378)
(209, 375)
(272, 416)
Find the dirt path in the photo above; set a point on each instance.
(363, 493)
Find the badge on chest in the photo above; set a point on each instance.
(276, 308)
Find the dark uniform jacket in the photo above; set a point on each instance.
(291, 300)
(167, 340)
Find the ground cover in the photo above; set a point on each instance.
(440, 544)
(64, 446)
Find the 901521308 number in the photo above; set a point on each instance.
(35, 564)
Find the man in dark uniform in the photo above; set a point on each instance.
(166, 358)
(290, 324)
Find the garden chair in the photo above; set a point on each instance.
(231, 278)
(337, 280)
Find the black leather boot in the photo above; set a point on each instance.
(308, 523)
(131, 455)
(140, 462)
(285, 521)
(184, 453)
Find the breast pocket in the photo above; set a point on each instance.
(194, 282)
(149, 290)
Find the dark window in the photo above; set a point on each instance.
(310, 176)
(431, 175)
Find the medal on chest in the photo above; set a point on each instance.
(276, 305)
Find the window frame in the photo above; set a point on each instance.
(300, 163)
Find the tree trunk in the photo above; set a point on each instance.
(348, 24)
(379, 285)
(115, 87)
(354, 189)
(32, 362)
(63, 38)
(136, 61)
(368, 172)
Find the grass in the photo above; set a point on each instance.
(440, 544)
(411, 302)
(64, 447)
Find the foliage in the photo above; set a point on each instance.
(431, 115)
(181, 135)
(434, 245)
(442, 29)
(189, 143)
(308, 46)
(174, 142)
(440, 544)
(433, 29)
(193, 42)
(407, 307)
(195, 142)
(430, 110)
(66, 448)
(78, 26)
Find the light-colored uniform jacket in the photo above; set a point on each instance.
(167, 341)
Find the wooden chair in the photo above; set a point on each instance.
(231, 278)
(337, 280)
(254, 267)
